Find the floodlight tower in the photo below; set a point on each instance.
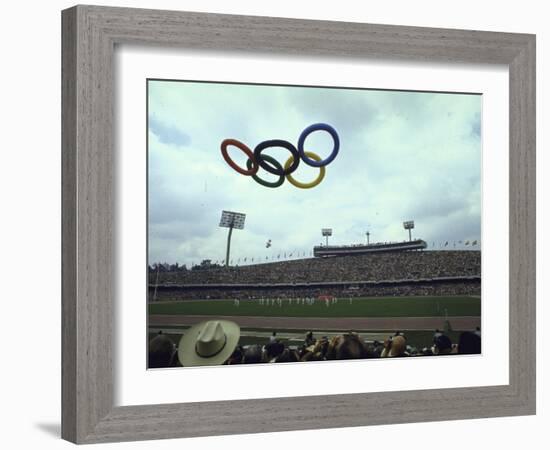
(231, 220)
(409, 225)
(326, 232)
(368, 237)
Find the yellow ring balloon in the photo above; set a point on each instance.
(315, 182)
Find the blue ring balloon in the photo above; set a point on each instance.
(307, 132)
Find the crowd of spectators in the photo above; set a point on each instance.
(391, 266)
(163, 352)
(458, 287)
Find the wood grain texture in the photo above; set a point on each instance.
(89, 36)
(68, 227)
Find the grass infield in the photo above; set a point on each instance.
(359, 307)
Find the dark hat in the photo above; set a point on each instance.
(253, 354)
(443, 342)
(469, 343)
(274, 348)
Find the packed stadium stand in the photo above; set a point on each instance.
(373, 274)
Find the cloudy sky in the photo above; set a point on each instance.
(403, 156)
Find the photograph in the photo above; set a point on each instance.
(311, 223)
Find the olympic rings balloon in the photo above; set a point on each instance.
(276, 143)
(307, 132)
(256, 159)
(252, 170)
(268, 184)
(313, 183)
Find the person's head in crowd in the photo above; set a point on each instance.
(346, 346)
(377, 348)
(397, 346)
(442, 345)
(351, 346)
(320, 346)
(236, 357)
(394, 346)
(331, 347)
(253, 355)
(161, 351)
(208, 343)
(274, 349)
(287, 355)
(469, 343)
(312, 356)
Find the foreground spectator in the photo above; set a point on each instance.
(236, 357)
(469, 343)
(346, 346)
(208, 343)
(287, 355)
(215, 343)
(394, 346)
(253, 355)
(273, 350)
(442, 345)
(161, 351)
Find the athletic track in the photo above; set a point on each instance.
(325, 323)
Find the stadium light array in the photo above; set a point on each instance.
(409, 225)
(231, 220)
(326, 232)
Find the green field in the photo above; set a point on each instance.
(361, 307)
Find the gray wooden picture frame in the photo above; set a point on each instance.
(90, 34)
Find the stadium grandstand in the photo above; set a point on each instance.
(395, 273)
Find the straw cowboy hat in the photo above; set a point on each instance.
(208, 343)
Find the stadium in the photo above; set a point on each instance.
(376, 291)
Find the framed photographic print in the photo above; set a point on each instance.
(354, 200)
(277, 294)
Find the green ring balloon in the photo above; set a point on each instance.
(269, 184)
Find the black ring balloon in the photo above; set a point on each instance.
(262, 160)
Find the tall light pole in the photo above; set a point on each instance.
(368, 236)
(326, 232)
(231, 220)
(409, 225)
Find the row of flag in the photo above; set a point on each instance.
(303, 254)
(465, 243)
(283, 255)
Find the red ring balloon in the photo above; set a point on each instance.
(253, 170)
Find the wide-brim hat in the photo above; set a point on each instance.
(208, 343)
